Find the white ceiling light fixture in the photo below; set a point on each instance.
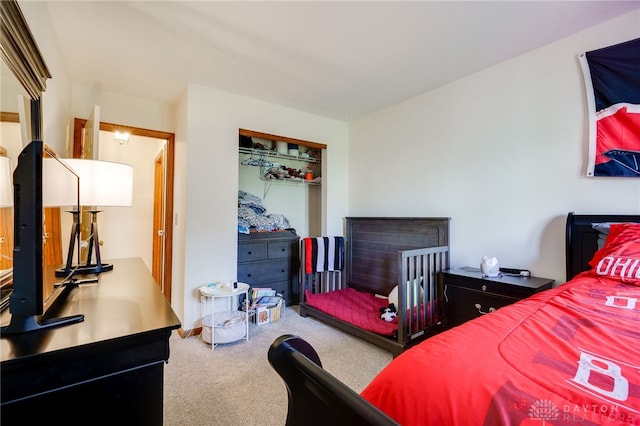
(121, 138)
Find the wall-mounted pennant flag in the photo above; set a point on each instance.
(612, 79)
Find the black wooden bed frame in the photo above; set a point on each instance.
(382, 252)
(318, 398)
(582, 239)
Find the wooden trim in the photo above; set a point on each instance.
(78, 125)
(52, 251)
(138, 131)
(252, 133)
(6, 237)
(9, 117)
(184, 333)
(168, 231)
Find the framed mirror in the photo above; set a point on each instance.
(24, 76)
(20, 52)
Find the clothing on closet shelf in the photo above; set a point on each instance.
(252, 215)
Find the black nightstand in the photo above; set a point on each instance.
(470, 295)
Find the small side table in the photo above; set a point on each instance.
(470, 294)
(231, 294)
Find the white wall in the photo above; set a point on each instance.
(121, 109)
(180, 202)
(56, 100)
(213, 120)
(502, 152)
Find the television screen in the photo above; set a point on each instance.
(38, 183)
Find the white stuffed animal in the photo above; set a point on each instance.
(388, 313)
(489, 266)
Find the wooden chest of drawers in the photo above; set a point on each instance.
(470, 294)
(270, 259)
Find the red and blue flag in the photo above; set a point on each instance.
(612, 79)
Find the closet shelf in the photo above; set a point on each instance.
(293, 180)
(275, 154)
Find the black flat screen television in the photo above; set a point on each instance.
(31, 291)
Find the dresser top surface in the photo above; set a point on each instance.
(504, 279)
(267, 236)
(124, 302)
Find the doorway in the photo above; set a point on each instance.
(162, 217)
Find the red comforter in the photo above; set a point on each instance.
(569, 355)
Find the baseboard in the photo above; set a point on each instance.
(184, 333)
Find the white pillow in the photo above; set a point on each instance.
(393, 294)
(603, 229)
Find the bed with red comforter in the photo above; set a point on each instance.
(569, 355)
(565, 355)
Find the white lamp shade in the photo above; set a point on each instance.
(6, 182)
(102, 183)
(59, 183)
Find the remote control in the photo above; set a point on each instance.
(514, 271)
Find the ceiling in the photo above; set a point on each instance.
(336, 59)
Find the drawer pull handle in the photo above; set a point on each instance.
(248, 275)
(250, 252)
(484, 288)
(479, 308)
(282, 250)
(282, 270)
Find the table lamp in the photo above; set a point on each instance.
(101, 184)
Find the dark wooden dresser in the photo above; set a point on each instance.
(108, 369)
(270, 259)
(469, 294)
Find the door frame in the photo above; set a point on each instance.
(78, 126)
(159, 221)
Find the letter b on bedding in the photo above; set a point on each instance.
(592, 364)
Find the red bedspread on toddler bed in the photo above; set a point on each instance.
(355, 307)
(569, 355)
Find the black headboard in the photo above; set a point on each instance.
(582, 239)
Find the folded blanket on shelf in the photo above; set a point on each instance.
(252, 215)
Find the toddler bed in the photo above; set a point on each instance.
(381, 252)
(568, 355)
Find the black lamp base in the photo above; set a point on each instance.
(84, 269)
(94, 244)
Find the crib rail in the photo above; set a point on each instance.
(421, 293)
(323, 282)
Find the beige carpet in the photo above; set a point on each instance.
(235, 385)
